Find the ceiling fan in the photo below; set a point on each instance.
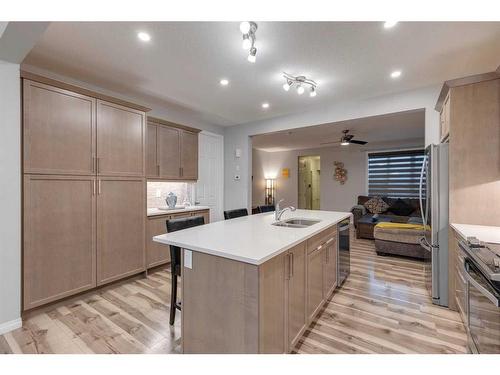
(346, 139)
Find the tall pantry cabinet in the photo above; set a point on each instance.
(84, 190)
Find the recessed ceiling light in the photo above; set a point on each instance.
(265, 105)
(396, 74)
(224, 82)
(145, 37)
(389, 24)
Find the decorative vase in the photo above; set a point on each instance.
(171, 200)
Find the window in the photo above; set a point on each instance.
(395, 174)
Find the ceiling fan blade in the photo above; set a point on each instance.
(358, 142)
(329, 143)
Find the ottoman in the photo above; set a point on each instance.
(400, 239)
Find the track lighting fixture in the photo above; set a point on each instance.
(301, 83)
(248, 29)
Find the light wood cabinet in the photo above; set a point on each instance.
(120, 228)
(59, 130)
(152, 166)
(444, 119)
(59, 237)
(315, 280)
(189, 155)
(169, 158)
(330, 267)
(121, 133)
(460, 280)
(172, 151)
(296, 294)
(156, 253)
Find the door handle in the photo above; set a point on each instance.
(98, 165)
(99, 187)
(93, 187)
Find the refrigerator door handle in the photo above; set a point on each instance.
(420, 190)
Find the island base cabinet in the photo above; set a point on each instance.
(59, 237)
(330, 268)
(220, 305)
(315, 280)
(230, 306)
(121, 223)
(296, 295)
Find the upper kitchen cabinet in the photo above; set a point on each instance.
(172, 151)
(444, 119)
(59, 130)
(121, 143)
(189, 155)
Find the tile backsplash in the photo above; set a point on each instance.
(157, 192)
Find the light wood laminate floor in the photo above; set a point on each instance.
(382, 308)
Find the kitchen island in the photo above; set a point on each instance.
(249, 286)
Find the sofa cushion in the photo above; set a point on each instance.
(376, 205)
(401, 208)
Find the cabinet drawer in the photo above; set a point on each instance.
(321, 238)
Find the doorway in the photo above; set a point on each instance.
(309, 182)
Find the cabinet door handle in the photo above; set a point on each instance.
(291, 265)
(93, 187)
(93, 164)
(158, 169)
(99, 187)
(98, 165)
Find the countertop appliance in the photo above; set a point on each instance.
(434, 208)
(344, 257)
(482, 273)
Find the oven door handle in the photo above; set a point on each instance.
(485, 292)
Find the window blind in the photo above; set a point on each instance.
(395, 174)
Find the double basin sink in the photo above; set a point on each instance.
(296, 223)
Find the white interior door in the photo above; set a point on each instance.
(210, 185)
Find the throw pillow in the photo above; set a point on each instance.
(401, 208)
(376, 205)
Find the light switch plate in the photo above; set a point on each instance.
(188, 259)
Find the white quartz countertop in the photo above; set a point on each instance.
(250, 239)
(157, 211)
(481, 232)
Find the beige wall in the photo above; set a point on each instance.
(334, 196)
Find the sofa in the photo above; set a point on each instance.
(395, 225)
(361, 213)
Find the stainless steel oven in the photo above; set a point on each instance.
(344, 257)
(481, 267)
(483, 311)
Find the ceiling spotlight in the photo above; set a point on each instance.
(265, 105)
(145, 37)
(396, 74)
(248, 30)
(224, 82)
(247, 43)
(251, 56)
(390, 24)
(245, 27)
(301, 83)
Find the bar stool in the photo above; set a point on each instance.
(175, 257)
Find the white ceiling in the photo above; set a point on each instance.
(393, 128)
(184, 61)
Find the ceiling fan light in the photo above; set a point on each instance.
(313, 93)
(344, 143)
(286, 86)
(300, 89)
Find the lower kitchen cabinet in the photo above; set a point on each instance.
(59, 242)
(296, 295)
(157, 253)
(460, 280)
(330, 267)
(315, 280)
(121, 228)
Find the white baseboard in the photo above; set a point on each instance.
(10, 325)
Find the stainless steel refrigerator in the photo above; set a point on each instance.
(434, 208)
